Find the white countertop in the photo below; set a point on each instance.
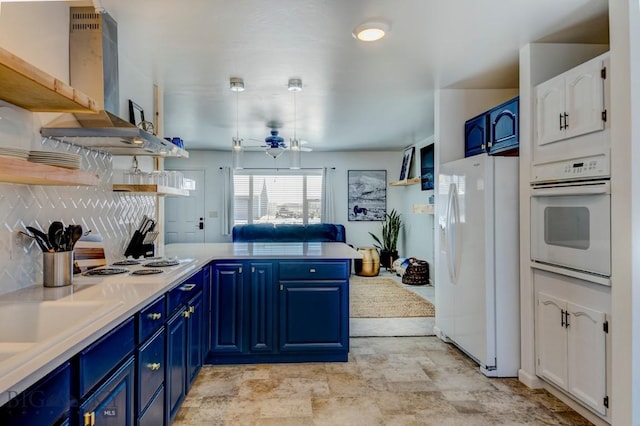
(121, 296)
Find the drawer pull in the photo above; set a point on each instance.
(312, 270)
(89, 419)
(188, 287)
(154, 366)
(155, 316)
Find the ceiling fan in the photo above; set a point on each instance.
(274, 144)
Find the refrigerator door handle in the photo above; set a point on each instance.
(452, 218)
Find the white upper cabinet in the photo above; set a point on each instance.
(571, 104)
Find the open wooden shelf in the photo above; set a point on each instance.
(28, 87)
(15, 170)
(151, 189)
(410, 181)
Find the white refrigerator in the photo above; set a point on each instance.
(477, 286)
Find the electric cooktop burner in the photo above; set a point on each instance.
(161, 263)
(126, 262)
(106, 271)
(147, 272)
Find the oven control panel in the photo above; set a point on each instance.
(575, 169)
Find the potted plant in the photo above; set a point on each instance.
(387, 243)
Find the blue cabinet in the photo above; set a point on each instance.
(314, 307)
(185, 338)
(495, 132)
(475, 135)
(227, 308)
(112, 403)
(195, 321)
(280, 311)
(504, 127)
(176, 379)
(261, 296)
(44, 403)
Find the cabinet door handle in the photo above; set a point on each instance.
(154, 366)
(562, 317)
(186, 314)
(566, 319)
(482, 147)
(566, 122)
(188, 287)
(89, 419)
(192, 309)
(489, 144)
(154, 316)
(560, 117)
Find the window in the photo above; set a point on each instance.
(277, 196)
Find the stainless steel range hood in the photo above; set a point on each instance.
(93, 69)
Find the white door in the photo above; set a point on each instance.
(550, 111)
(184, 216)
(586, 356)
(470, 303)
(551, 339)
(584, 99)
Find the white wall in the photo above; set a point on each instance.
(624, 24)
(399, 197)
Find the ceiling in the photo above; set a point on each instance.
(356, 96)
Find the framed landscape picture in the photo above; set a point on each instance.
(367, 195)
(426, 167)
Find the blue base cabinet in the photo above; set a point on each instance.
(279, 311)
(112, 403)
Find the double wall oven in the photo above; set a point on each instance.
(571, 218)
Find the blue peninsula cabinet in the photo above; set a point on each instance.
(279, 311)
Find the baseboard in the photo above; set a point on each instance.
(530, 380)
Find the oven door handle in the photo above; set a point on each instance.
(559, 191)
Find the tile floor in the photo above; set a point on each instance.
(387, 381)
(407, 378)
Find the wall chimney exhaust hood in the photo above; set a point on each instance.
(93, 69)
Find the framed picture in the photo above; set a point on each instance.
(426, 167)
(367, 195)
(136, 114)
(407, 162)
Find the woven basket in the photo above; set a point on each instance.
(417, 273)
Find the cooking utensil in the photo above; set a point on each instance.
(76, 234)
(41, 238)
(55, 228)
(38, 241)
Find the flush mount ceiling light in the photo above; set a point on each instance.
(371, 30)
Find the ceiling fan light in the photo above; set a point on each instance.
(274, 152)
(371, 31)
(236, 84)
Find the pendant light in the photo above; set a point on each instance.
(295, 86)
(237, 86)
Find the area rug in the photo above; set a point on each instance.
(375, 297)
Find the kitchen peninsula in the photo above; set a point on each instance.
(136, 343)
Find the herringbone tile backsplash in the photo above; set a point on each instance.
(111, 214)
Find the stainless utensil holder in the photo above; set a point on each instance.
(57, 268)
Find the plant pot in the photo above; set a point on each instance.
(387, 258)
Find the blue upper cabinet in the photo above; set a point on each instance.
(494, 132)
(475, 136)
(504, 127)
